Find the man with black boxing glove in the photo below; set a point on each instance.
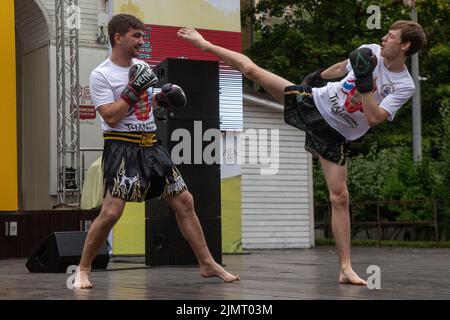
(135, 167)
(376, 84)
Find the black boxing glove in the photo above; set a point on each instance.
(314, 79)
(141, 77)
(171, 95)
(363, 62)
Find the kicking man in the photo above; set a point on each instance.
(376, 84)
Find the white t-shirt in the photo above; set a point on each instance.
(340, 104)
(106, 83)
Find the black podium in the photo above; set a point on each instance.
(164, 243)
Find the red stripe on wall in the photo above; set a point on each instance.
(164, 43)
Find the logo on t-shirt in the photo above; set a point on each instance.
(387, 89)
(142, 107)
(353, 101)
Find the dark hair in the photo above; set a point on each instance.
(120, 24)
(410, 31)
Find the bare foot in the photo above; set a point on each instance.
(82, 279)
(192, 35)
(350, 277)
(215, 270)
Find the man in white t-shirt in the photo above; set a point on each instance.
(135, 166)
(376, 84)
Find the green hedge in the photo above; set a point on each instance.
(389, 243)
(390, 174)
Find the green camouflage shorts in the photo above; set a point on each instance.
(321, 139)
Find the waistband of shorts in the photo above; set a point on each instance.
(143, 139)
(303, 90)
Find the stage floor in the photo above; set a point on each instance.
(265, 274)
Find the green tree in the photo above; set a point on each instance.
(308, 34)
(294, 38)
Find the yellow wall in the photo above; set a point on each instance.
(231, 215)
(129, 232)
(8, 130)
(205, 14)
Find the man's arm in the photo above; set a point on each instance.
(363, 62)
(337, 70)
(140, 77)
(273, 83)
(372, 110)
(378, 112)
(113, 112)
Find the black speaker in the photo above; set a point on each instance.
(201, 105)
(197, 157)
(61, 250)
(189, 74)
(165, 245)
(203, 184)
(200, 82)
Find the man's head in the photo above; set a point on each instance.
(404, 37)
(126, 32)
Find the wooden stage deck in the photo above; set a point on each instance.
(265, 274)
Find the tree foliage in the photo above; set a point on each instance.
(294, 38)
(307, 34)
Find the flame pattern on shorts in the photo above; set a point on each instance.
(127, 188)
(174, 184)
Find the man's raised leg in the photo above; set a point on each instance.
(112, 210)
(271, 82)
(336, 177)
(190, 227)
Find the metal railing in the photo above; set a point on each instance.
(377, 216)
